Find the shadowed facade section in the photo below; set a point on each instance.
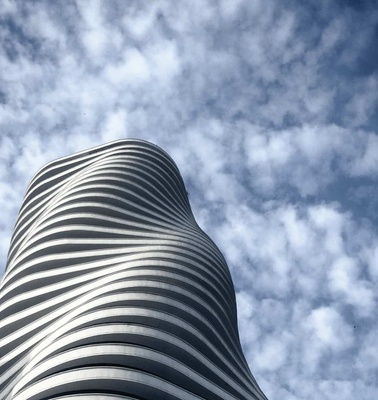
(112, 291)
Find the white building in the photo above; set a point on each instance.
(112, 291)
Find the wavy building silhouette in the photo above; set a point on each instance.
(112, 291)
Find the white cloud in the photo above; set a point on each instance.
(140, 23)
(115, 126)
(94, 34)
(361, 106)
(273, 354)
(165, 61)
(344, 280)
(132, 70)
(331, 34)
(329, 222)
(8, 7)
(367, 358)
(329, 329)
(367, 162)
(230, 8)
(372, 258)
(272, 122)
(308, 158)
(300, 235)
(327, 333)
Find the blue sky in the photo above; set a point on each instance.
(269, 108)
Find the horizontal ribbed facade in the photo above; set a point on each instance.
(112, 291)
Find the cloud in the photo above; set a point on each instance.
(344, 281)
(269, 111)
(328, 330)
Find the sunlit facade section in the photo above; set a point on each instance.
(112, 291)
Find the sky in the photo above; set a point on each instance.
(270, 110)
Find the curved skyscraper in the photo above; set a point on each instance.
(112, 291)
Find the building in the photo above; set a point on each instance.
(112, 291)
